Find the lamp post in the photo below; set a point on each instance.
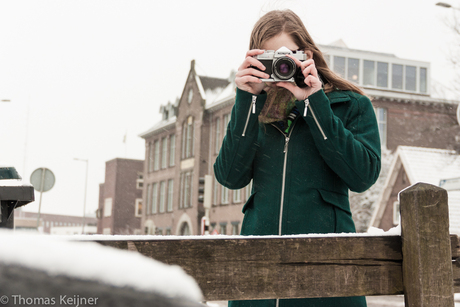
(84, 201)
(447, 5)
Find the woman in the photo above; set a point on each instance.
(303, 147)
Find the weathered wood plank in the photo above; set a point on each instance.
(261, 267)
(456, 274)
(426, 247)
(455, 244)
(201, 258)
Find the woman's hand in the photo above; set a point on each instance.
(311, 80)
(248, 78)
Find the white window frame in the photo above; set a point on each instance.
(224, 195)
(156, 161)
(108, 205)
(154, 199)
(396, 213)
(218, 137)
(237, 196)
(138, 207)
(170, 195)
(172, 150)
(164, 153)
(162, 197)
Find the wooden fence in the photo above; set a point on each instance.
(423, 263)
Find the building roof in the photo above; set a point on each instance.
(213, 91)
(426, 165)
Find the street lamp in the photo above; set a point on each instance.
(84, 201)
(447, 5)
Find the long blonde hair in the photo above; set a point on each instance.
(286, 21)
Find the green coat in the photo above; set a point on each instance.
(301, 180)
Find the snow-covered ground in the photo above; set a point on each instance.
(57, 255)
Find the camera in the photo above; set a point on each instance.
(282, 68)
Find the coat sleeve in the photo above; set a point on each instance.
(351, 149)
(233, 166)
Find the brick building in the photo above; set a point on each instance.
(183, 146)
(120, 198)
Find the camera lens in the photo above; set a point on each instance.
(284, 68)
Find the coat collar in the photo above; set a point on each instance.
(338, 96)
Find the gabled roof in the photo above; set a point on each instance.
(213, 91)
(426, 165)
(211, 88)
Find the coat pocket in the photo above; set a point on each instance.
(343, 219)
(336, 199)
(249, 202)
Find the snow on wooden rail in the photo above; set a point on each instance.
(422, 263)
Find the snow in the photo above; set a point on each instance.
(373, 232)
(13, 183)
(58, 255)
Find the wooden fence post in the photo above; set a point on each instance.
(426, 247)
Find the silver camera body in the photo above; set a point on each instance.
(282, 68)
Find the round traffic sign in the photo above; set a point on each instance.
(42, 179)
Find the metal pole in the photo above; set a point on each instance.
(42, 184)
(84, 201)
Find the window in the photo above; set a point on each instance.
(170, 194)
(164, 154)
(327, 58)
(397, 77)
(396, 213)
(149, 197)
(140, 181)
(216, 191)
(237, 196)
(248, 190)
(368, 73)
(162, 196)
(138, 208)
(224, 195)
(226, 121)
(187, 139)
(218, 141)
(381, 115)
(223, 228)
(339, 66)
(423, 79)
(382, 74)
(353, 70)
(411, 78)
(172, 150)
(154, 198)
(186, 190)
(159, 231)
(190, 95)
(150, 158)
(168, 231)
(235, 228)
(157, 156)
(108, 207)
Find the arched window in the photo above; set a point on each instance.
(184, 229)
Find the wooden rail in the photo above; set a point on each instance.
(423, 263)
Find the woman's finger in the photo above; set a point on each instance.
(250, 61)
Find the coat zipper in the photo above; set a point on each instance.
(252, 109)
(308, 106)
(287, 138)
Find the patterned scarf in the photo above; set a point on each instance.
(279, 104)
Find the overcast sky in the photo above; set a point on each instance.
(82, 74)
